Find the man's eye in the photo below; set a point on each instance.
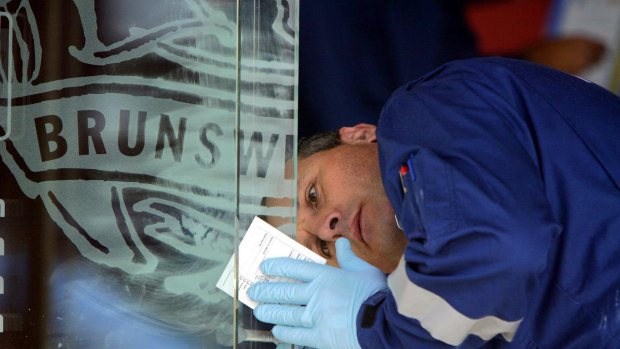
(323, 248)
(312, 196)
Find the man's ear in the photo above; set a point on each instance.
(360, 133)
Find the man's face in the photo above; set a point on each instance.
(340, 194)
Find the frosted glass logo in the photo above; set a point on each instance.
(130, 142)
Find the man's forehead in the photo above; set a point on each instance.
(308, 166)
(304, 168)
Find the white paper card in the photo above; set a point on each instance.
(260, 242)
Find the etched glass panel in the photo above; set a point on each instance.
(138, 138)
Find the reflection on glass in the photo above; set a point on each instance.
(120, 171)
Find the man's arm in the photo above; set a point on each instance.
(476, 215)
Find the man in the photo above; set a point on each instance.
(504, 178)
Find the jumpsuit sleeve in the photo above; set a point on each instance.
(472, 206)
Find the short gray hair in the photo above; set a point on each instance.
(308, 146)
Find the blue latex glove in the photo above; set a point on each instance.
(321, 311)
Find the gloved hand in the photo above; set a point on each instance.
(321, 311)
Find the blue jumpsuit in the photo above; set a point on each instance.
(511, 205)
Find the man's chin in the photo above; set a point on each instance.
(385, 262)
(389, 266)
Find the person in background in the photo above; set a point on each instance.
(482, 212)
(355, 53)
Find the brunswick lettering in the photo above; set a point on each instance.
(171, 136)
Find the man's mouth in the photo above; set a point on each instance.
(356, 227)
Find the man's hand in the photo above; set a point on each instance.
(571, 54)
(321, 311)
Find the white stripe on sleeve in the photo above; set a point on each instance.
(438, 317)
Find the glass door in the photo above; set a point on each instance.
(138, 139)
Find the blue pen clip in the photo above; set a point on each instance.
(411, 168)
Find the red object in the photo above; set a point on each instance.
(403, 170)
(507, 27)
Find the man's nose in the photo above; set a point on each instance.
(330, 227)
